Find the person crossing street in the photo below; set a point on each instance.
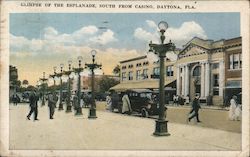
(195, 108)
(33, 105)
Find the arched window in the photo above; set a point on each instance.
(197, 71)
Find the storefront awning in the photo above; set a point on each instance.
(147, 84)
(233, 84)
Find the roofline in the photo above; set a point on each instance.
(233, 38)
(133, 59)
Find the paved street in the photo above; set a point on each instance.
(113, 131)
(211, 118)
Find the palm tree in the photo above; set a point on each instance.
(117, 70)
(25, 83)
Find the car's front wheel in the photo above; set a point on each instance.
(144, 112)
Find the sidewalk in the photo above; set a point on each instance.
(110, 131)
(202, 106)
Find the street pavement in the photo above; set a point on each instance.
(112, 131)
(211, 117)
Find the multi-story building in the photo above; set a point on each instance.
(209, 68)
(139, 72)
(13, 79)
(233, 68)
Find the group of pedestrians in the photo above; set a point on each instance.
(179, 100)
(112, 101)
(33, 100)
(235, 110)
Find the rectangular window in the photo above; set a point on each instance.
(169, 70)
(235, 61)
(215, 65)
(130, 75)
(123, 76)
(216, 80)
(138, 74)
(156, 71)
(240, 60)
(145, 73)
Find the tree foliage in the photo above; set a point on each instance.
(106, 83)
(117, 70)
(25, 82)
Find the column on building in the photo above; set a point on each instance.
(183, 81)
(186, 80)
(221, 77)
(178, 80)
(202, 80)
(207, 79)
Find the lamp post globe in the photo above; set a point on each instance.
(54, 68)
(163, 26)
(93, 53)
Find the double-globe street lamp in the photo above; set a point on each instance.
(60, 76)
(78, 71)
(92, 66)
(43, 88)
(68, 73)
(161, 128)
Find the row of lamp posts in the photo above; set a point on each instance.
(161, 127)
(91, 66)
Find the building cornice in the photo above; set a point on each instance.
(134, 59)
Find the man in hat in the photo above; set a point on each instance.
(52, 100)
(33, 105)
(195, 108)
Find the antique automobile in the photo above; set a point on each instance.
(143, 101)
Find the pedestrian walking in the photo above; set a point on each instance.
(126, 106)
(15, 99)
(195, 109)
(52, 100)
(181, 100)
(238, 112)
(175, 99)
(109, 102)
(75, 101)
(33, 105)
(234, 109)
(115, 101)
(187, 100)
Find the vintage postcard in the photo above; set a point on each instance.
(124, 78)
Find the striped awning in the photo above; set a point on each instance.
(145, 84)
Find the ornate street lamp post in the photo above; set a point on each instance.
(68, 109)
(53, 76)
(161, 128)
(78, 71)
(92, 67)
(60, 75)
(43, 88)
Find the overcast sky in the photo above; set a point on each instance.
(40, 41)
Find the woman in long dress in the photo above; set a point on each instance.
(232, 109)
(126, 106)
(238, 112)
